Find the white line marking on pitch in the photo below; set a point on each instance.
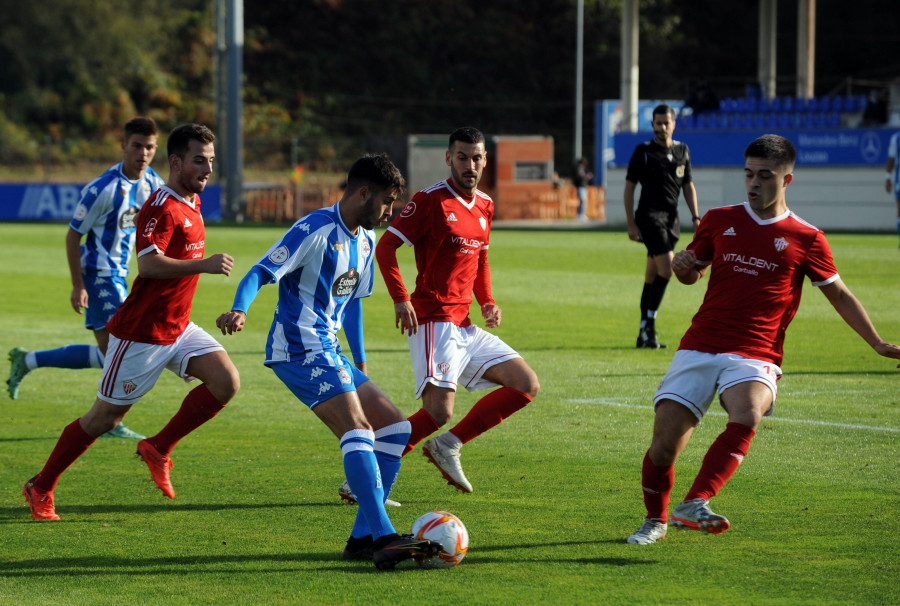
(619, 404)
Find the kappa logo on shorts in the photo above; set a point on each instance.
(324, 387)
(309, 359)
(129, 386)
(109, 306)
(316, 373)
(103, 294)
(344, 376)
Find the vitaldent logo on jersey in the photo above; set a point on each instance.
(747, 264)
(344, 285)
(469, 245)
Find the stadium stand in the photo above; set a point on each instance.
(753, 113)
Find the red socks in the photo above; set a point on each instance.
(422, 425)
(657, 484)
(73, 442)
(721, 461)
(198, 407)
(489, 411)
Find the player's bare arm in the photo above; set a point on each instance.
(634, 233)
(854, 314)
(79, 297)
(231, 322)
(684, 264)
(158, 266)
(405, 318)
(690, 198)
(491, 313)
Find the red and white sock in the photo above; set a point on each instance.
(721, 461)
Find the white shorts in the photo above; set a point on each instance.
(445, 354)
(694, 377)
(131, 368)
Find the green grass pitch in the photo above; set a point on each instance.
(814, 507)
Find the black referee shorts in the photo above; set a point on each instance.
(659, 230)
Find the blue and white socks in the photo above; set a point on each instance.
(68, 356)
(387, 447)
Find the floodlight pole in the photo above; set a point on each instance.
(579, 78)
(229, 53)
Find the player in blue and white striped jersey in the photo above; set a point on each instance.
(892, 183)
(324, 266)
(105, 214)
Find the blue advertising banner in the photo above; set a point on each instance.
(850, 147)
(57, 201)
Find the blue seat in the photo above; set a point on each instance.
(775, 104)
(837, 104)
(821, 120)
(784, 120)
(702, 121)
(752, 104)
(787, 104)
(759, 120)
(833, 120)
(850, 104)
(825, 104)
(809, 119)
(812, 104)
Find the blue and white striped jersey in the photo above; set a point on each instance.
(319, 266)
(106, 213)
(894, 152)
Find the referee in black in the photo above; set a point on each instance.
(663, 168)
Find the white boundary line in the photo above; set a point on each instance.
(618, 404)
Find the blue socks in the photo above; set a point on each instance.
(68, 356)
(361, 469)
(389, 444)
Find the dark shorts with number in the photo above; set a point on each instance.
(659, 230)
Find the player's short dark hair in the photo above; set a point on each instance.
(466, 134)
(140, 126)
(376, 171)
(773, 147)
(664, 109)
(181, 137)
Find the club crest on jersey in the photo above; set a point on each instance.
(408, 210)
(344, 376)
(338, 246)
(279, 255)
(80, 212)
(780, 244)
(483, 222)
(149, 227)
(366, 249)
(129, 386)
(345, 284)
(126, 221)
(679, 172)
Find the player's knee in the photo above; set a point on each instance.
(441, 416)
(226, 386)
(662, 454)
(527, 383)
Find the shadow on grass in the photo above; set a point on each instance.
(216, 564)
(13, 515)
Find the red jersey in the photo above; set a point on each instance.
(450, 234)
(158, 310)
(756, 280)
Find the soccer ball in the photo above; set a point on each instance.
(446, 529)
